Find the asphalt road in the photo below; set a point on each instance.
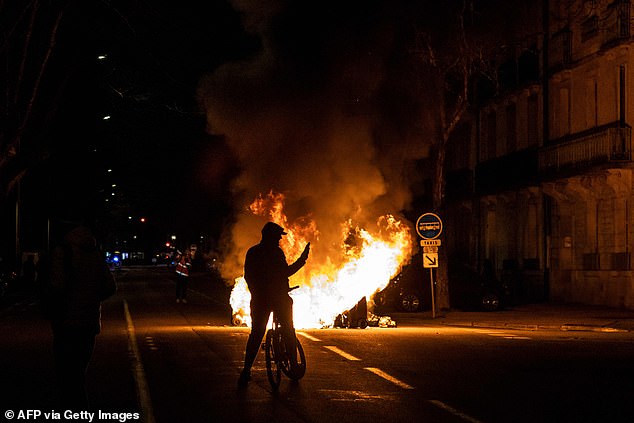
(180, 362)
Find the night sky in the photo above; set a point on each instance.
(211, 103)
(154, 146)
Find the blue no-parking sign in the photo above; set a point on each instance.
(429, 226)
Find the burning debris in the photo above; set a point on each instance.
(359, 317)
(356, 317)
(381, 321)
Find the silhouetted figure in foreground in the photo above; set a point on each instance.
(79, 281)
(266, 272)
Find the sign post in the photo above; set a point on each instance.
(429, 228)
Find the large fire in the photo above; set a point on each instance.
(363, 263)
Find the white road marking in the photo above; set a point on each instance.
(142, 389)
(342, 353)
(389, 378)
(307, 336)
(506, 335)
(453, 411)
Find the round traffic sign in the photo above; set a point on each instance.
(429, 226)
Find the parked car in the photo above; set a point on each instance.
(410, 290)
(473, 290)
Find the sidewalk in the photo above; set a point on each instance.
(562, 317)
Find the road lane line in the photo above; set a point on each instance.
(307, 336)
(142, 389)
(507, 335)
(342, 353)
(389, 378)
(453, 411)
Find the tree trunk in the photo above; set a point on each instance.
(442, 279)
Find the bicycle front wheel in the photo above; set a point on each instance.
(273, 369)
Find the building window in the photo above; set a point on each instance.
(511, 128)
(561, 48)
(596, 103)
(623, 19)
(564, 120)
(533, 119)
(622, 94)
(592, 105)
(491, 135)
(590, 28)
(616, 23)
(591, 261)
(620, 261)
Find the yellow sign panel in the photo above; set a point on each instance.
(430, 260)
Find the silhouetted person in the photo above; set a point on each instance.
(79, 281)
(266, 272)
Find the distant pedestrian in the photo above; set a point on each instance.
(79, 280)
(183, 267)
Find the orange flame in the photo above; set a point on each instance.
(333, 281)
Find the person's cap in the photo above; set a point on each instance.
(271, 228)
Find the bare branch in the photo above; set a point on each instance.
(36, 85)
(9, 33)
(27, 42)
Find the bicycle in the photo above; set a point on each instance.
(278, 360)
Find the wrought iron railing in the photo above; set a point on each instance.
(604, 144)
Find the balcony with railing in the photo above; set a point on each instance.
(605, 145)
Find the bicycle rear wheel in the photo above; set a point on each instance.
(300, 369)
(273, 369)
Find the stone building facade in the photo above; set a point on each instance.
(552, 194)
(586, 165)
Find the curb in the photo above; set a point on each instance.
(591, 328)
(567, 327)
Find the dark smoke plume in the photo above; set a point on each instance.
(316, 116)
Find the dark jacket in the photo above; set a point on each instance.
(266, 271)
(80, 279)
